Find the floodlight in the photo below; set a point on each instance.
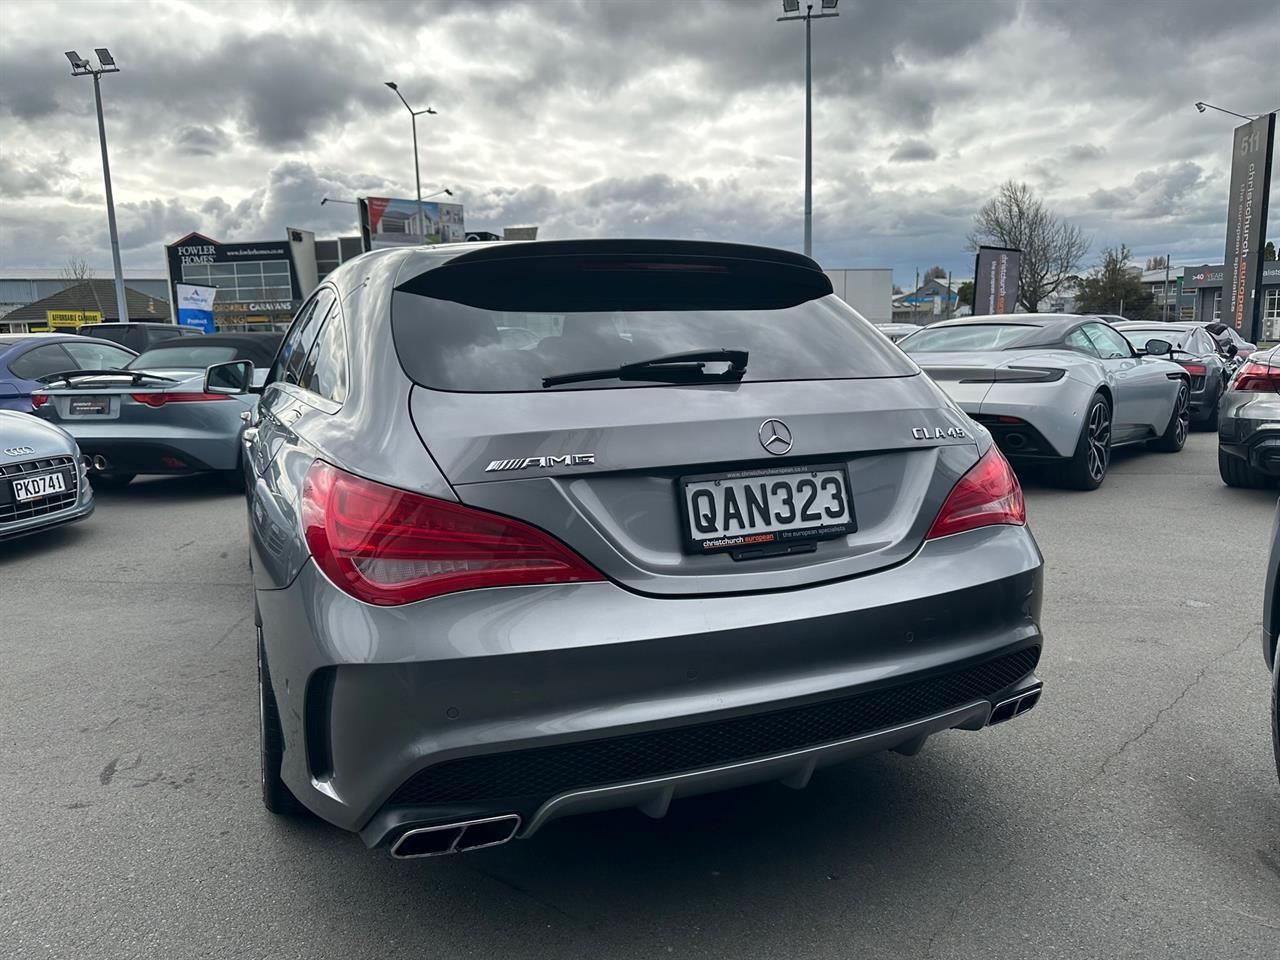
(1200, 106)
(790, 6)
(78, 62)
(829, 4)
(105, 58)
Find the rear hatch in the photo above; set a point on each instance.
(828, 457)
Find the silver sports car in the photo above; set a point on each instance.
(157, 415)
(1057, 388)
(42, 477)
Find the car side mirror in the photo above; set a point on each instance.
(232, 377)
(1158, 348)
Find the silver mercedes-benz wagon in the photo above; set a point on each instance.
(542, 528)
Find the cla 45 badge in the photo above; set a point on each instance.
(939, 433)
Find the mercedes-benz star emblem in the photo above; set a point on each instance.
(775, 436)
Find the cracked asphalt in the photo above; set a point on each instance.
(1134, 813)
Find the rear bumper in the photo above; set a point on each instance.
(1256, 441)
(552, 700)
(141, 455)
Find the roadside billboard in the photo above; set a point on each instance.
(394, 222)
(995, 280)
(1251, 151)
(195, 306)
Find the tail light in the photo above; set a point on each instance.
(988, 494)
(388, 546)
(38, 400)
(1256, 375)
(1195, 369)
(160, 399)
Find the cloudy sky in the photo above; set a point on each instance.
(678, 118)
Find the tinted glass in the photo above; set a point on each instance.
(1110, 344)
(1077, 340)
(974, 336)
(453, 346)
(195, 356)
(41, 362)
(325, 372)
(298, 341)
(98, 356)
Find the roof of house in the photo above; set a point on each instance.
(98, 296)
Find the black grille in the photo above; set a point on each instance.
(544, 772)
(13, 511)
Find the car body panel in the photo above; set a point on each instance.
(371, 696)
(30, 447)
(1271, 597)
(138, 335)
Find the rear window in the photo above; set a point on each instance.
(505, 325)
(192, 355)
(1139, 338)
(976, 336)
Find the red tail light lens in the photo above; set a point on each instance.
(388, 546)
(988, 494)
(160, 399)
(1195, 369)
(1256, 375)
(38, 400)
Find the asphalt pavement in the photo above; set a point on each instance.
(1134, 813)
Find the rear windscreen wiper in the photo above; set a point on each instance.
(687, 367)
(135, 376)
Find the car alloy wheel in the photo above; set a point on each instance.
(1099, 440)
(1184, 414)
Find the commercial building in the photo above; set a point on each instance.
(20, 286)
(260, 284)
(1203, 287)
(935, 299)
(869, 291)
(89, 301)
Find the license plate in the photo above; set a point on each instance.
(33, 488)
(89, 406)
(752, 509)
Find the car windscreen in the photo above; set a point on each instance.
(1139, 338)
(975, 336)
(183, 356)
(498, 332)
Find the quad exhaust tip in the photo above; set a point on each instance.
(446, 838)
(100, 463)
(1015, 706)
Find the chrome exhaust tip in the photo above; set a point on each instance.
(446, 838)
(1015, 706)
(100, 463)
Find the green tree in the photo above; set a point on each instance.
(1269, 251)
(965, 293)
(1115, 286)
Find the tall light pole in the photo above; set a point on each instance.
(417, 174)
(1202, 106)
(791, 11)
(80, 67)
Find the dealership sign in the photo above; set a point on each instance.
(1246, 221)
(195, 306)
(995, 280)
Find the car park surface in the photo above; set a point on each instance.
(1134, 813)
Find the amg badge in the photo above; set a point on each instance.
(547, 463)
(939, 433)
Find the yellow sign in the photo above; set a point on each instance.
(58, 319)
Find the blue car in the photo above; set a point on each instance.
(26, 357)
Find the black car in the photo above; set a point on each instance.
(137, 335)
(1197, 352)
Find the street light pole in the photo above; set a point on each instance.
(417, 173)
(1202, 106)
(80, 68)
(791, 10)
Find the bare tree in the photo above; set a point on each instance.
(1157, 263)
(935, 273)
(76, 270)
(1051, 247)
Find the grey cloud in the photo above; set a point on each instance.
(913, 150)
(200, 141)
(23, 175)
(1082, 152)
